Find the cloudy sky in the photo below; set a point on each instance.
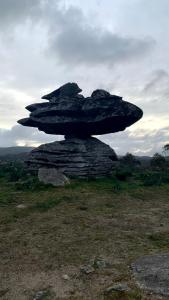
(118, 45)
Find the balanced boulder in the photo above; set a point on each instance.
(70, 114)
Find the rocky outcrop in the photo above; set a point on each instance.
(70, 114)
(76, 157)
(151, 273)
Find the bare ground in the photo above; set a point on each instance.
(41, 243)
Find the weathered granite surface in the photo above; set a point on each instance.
(52, 176)
(152, 273)
(67, 90)
(76, 157)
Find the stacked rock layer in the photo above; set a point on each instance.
(76, 157)
(70, 114)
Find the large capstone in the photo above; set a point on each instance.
(69, 113)
(75, 157)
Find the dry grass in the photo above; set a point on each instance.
(62, 229)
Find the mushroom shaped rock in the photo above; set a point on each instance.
(70, 114)
(101, 113)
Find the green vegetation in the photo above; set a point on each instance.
(158, 161)
(133, 295)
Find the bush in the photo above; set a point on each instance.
(130, 161)
(46, 205)
(158, 161)
(116, 187)
(123, 174)
(165, 177)
(150, 179)
(13, 171)
(31, 184)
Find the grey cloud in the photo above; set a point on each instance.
(9, 108)
(71, 37)
(158, 80)
(146, 143)
(16, 11)
(81, 43)
(154, 95)
(28, 136)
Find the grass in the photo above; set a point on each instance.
(133, 295)
(61, 229)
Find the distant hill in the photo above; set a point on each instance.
(21, 153)
(14, 153)
(144, 160)
(14, 150)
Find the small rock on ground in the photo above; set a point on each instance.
(94, 264)
(121, 287)
(40, 295)
(21, 206)
(88, 269)
(66, 277)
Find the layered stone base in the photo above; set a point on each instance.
(75, 157)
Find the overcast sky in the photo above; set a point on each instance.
(118, 45)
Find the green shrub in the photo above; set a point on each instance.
(46, 205)
(123, 174)
(165, 177)
(130, 160)
(31, 184)
(158, 161)
(150, 179)
(116, 187)
(13, 171)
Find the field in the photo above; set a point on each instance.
(75, 242)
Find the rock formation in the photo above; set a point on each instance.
(87, 157)
(70, 114)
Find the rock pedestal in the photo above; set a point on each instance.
(76, 157)
(70, 114)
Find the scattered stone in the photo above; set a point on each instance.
(94, 264)
(152, 273)
(52, 176)
(66, 277)
(40, 295)
(21, 206)
(100, 263)
(88, 269)
(120, 287)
